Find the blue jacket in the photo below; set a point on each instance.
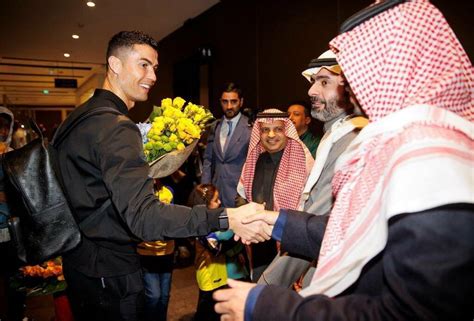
(224, 170)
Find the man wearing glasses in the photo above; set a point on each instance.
(227, 146)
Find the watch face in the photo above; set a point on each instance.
(223, 222)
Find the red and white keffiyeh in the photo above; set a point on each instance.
(415, 82)
(295, 165)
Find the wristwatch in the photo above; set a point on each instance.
(223, 221)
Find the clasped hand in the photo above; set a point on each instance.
(251, 223)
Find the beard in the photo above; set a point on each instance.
(330, 110)
(229, 113)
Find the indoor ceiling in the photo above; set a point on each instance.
(34, 35)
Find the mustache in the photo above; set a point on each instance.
(317, 100)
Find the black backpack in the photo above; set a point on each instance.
(45, 227)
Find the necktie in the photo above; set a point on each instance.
(226, 140)
(229, 123)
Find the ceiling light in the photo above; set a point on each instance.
(75, 36)
(67, 55)
(90, 4)
(45, 91)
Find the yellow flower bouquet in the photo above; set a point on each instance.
(174, 130)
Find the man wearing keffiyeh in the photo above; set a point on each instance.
(274, 173)
(399, 242)
(331, 105)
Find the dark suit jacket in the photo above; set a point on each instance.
(224, 169)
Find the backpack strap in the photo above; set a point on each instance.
(60, 134)
(89, 220)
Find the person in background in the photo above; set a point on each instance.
(157, 263)
(300, 115)
(227, 146)
(19, 138)
(218, 257)
(12, 307)
(274, 173)
(399, 242)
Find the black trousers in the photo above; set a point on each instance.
(108, 298)
(13, 307)
(205, 308)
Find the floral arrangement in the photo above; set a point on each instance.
(51, 268)
(45, 278)
(174, 125)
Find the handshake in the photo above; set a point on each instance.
(251, 223)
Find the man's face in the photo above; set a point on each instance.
(231, 104)
(136, 73)
(272, 136)
(327, 95)
(299, 118)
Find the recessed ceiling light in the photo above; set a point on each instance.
(90, 4)
(75, 36)
(45, 91)
(67, 55)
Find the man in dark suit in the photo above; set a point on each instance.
(227, 146)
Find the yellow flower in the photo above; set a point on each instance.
(149, 146)
(167, 102)
(179, 102)
(173, 138)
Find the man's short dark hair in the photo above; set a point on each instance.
(126, 39)
(232, 87)
(305, 104)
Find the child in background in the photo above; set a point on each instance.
(218, 257)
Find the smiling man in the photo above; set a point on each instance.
(131, 69)
(332, 106)
(106, 179)
(274, 173)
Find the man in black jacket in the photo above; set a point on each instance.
(106, 177)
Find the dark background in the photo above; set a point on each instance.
(262, 45)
